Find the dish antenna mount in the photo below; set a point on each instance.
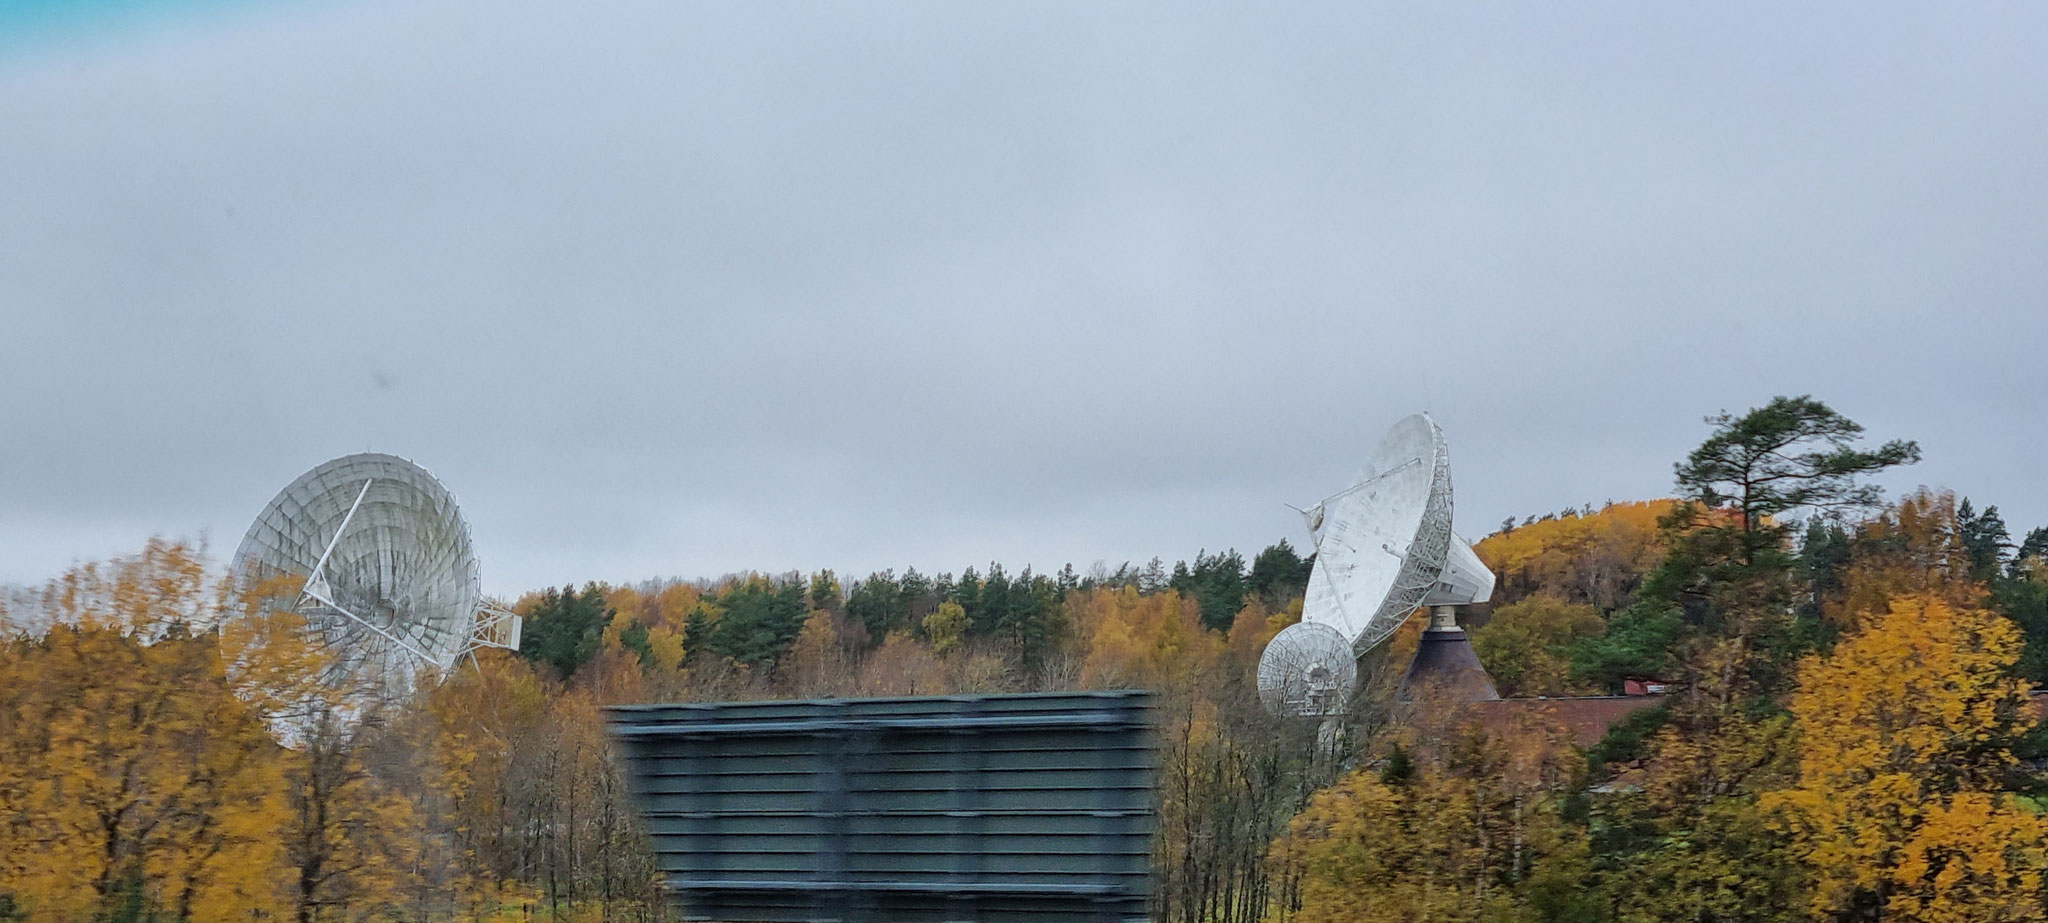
(385, 574)
(1384, 549)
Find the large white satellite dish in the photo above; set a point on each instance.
(385, 574)
(1384, 548)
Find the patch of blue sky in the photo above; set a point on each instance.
(31, 26)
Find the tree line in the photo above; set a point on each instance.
(1849, 738)
(171, 751)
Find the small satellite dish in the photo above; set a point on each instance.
(1307, 669)
(384, 572)
(1384, 548)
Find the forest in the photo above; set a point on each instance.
(1849, 734)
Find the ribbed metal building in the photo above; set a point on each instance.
(997, 808)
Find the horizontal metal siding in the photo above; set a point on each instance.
(984, 808)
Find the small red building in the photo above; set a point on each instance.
(1643, 685)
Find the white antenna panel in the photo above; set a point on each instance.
(1384, 548)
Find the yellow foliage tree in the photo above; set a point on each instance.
(902, 665)
(816, 664)
(666, 643)
(946, 627)
(141, 595)
(271, 666)
(467, 731)
(1138, 640)
(1973, 859)
(673, 604)
(352, 840)
(131, 777)
(1906, 733)
(1462, 833)
(1593, 559)
(139, 776)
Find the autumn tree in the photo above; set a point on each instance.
(1526, 646)
(141, 777)
(946, 628)
(456, 750)
(1689, 837)
(1906, 736)
(1230, 778)
(902, 665)
(582, 838)
(1915, 548)
(132, 780)
(1231, 774)
(1132, 640)
(1597, 558)
(351, 839)
(1689, 834)
(816, 665)
(1469, 828)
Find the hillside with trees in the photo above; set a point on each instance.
(1850, 735)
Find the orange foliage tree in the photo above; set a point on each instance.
(1915, 547)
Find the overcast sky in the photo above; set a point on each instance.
(676, 289)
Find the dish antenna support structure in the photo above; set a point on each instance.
(386, 576)
(1383, 549)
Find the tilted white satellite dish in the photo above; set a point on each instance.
(1384, 548)
(388, 582)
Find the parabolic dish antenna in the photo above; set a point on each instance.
(1307, 669)
(1384, 548)
(379, 562)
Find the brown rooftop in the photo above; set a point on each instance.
(1585, 718)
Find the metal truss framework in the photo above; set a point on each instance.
(389, 583)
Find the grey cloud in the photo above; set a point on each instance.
(682, 289)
